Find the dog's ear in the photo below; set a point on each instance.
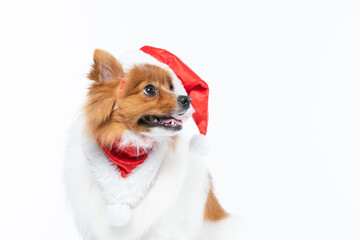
(105, 67)
(103, 93)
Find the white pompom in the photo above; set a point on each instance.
(118, 214)
(199, 145)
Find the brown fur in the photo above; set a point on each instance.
(213, 210)
(174, 141)
(105, 67)
(110, 111)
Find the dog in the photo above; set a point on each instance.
(132, 171)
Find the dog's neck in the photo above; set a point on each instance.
(129, 151)
(127, 158)
(132, 149)
(140, 141)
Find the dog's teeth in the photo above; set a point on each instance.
(155, 120)
(172, 123)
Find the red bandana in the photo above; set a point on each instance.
(126, 158)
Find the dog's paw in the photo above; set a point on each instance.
(118, 215)
(199, 145)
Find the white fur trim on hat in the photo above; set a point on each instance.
(199, 145)
(136, 57)
(118, 214)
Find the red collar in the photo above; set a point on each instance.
(126, 158)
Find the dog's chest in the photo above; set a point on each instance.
(183, 216)
(115, 188)
(171, 206)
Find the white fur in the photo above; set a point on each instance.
(135, 57)
(118, 214)
(161, 199)
(227, 229)
(199, 145)
(122, 193)
(171, 207)
(117, 189)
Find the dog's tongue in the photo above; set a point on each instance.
(169, 120)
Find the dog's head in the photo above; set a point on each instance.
(143, 101)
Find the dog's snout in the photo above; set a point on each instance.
(184, 101)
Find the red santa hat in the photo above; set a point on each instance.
(185, 80)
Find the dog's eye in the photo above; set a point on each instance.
(171, 87)
(150, 90)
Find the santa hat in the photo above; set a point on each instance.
(184, 79)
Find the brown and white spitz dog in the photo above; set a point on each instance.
(129, 171)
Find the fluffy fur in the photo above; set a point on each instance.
(170, 195)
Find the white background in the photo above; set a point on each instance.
(284, 105)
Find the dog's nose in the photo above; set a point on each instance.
(184, 101)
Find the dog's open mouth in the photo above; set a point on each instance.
(167, 122)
